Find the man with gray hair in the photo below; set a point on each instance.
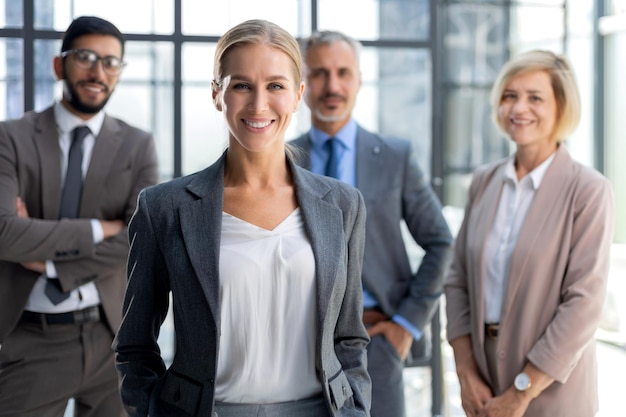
(398, 302)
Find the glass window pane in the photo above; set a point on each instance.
(542, 3)
(471, 138)
(204, 134)
(377, 19)
(582, 142)
(615, 102)
(11, 78)
(475, 43)
(456, 187)
(46, 88)
(201, 17)
(11, 15)
(150, 107)
(524, 23)
(152, 61)
(145, 96)
(197, 62)
(615, 7)
(404, 92)
(136, 16)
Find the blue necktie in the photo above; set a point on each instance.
(70, 201)
(333, 147)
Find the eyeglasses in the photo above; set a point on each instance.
(86, 59)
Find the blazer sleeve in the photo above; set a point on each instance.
(583, 286)
(138, 359)
(31, 239)
(456, 287)
(424, 218)
(350, 336)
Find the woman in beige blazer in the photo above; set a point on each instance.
(527, 284)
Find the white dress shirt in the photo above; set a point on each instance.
(85, 295)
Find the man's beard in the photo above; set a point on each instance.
(329, 118)
(77, 104)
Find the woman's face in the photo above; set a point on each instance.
(528, 109)
(258, 95)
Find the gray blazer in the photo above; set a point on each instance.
(175, 245)
(123, 162)
(395, 190)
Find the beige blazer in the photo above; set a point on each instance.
(556, 287)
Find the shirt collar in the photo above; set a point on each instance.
(536, 175)
(346, 135)
(66, 121)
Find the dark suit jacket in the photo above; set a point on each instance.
(123, 162)
(395, 190)
(556, 288)
(175, 244)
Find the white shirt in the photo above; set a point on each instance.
(268, 309)
(85, 295)
(515, 200)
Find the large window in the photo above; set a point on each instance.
(170, 44)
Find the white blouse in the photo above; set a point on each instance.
(268, 309)
(515, 201)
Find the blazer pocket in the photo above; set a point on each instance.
(340, 389)
(181, 392)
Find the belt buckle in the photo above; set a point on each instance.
(87, 315)
(492, 330)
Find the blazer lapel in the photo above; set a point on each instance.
(483, 214)
(370, 162)
(322, 221)
(103, 155)
(201, 226)
(46, 138)
(549, 191)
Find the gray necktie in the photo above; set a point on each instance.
(70, 200)
(333, 147)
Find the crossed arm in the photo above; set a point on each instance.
(109, 228)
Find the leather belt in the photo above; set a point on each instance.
(492, 330)
(372, 316)
(89, 314)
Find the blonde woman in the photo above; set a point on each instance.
(261, 257)
(527, 284)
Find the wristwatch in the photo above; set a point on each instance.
(523, 383)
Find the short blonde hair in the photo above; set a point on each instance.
(254, 32)
(563, 83)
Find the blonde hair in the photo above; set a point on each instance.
(563, 83)
(254, 32)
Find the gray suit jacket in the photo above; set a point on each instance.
(123, 162)
(556, 288)
(175, 245)
(395, 190)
